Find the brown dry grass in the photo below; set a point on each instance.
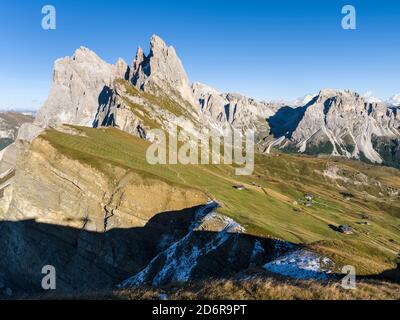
(268, 288)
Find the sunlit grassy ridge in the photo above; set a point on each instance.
(147, 102)
(272, 204)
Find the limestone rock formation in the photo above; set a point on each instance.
(99, 221)
(341, 123)
(135, 111)
(77, 82)
(88, 91)
(162, 68)
(29, 131)
(121, 70)
(228, 109)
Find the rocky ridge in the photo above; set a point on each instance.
(340, 123)
(88, 212)
(87, 91)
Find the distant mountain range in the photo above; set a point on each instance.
(10, 122)
(88, 91)
(77, 191)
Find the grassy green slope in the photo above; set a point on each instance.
(272, 203)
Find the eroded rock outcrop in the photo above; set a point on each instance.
(87, 91)
(76, 93)
(228, 109)
(342, 123)
(77, 82)
(161, 67)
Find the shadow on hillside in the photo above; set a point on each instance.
(392, 275)
(334, 228)
(104, 101)
(88, 261)
(286, 119)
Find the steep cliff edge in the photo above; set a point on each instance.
(52, 187)
(90, 220)
(87, 202)
(341, 123)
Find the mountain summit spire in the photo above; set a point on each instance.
(162, 67)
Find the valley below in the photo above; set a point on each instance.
(135, 226)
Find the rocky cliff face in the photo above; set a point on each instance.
(136, 112)
(76, 93)
(77, 82)
(175, 246)
(87, 91)
(155, 92)
(341, 123)
(96, 227)
(10, 125)
(52, 188)
(165, 98)
(233, 110)
(161, 67)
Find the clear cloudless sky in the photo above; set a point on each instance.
(264, 49)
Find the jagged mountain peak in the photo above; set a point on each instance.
(370, 98)
(327, 93)
(139, 57)
(161, 67)
(121, 69)
(342, 123)
(157, 43)
(204, 88)
(335, 121)
(77, 82)
(84, 54)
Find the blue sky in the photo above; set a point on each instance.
(263, 49)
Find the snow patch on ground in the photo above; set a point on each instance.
(177, 262)
(180, 258)
(301, 264)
